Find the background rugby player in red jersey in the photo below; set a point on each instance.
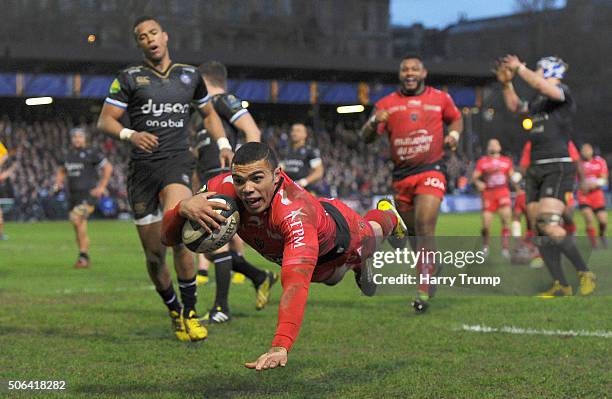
(491, 177)
(314, 240)
(414, 117)
(591, 196)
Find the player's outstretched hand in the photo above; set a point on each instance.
(275, 357)
(512, 62)
(144, 141)
(503, 73)
(225, 156)
(199, 209)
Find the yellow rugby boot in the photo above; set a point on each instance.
(238, 278)
(399, 232)
(587, 283)
(178, 326)
(557, 290)
(194, 328)
(264, 290)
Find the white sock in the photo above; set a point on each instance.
(516, 228)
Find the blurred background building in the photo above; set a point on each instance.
(292, 60)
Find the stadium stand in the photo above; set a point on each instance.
(353, 172)
(38, 146)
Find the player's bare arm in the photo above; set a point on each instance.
(368, 131)
(315, 175)
(100, 189)
(60, 176)
(546, 87)
(455, 128)
(109, 123)
(247, 124)
(213, 125)
(477, 180)
(7, 173)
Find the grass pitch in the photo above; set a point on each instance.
(105, 332)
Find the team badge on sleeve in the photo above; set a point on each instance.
(185, 78)
(115, 87)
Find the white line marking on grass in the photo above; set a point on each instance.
(531, 331)
(90, 290)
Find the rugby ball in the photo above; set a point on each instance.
(197, 239)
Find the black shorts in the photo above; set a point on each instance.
(147, 178)
(553, 180)
(76, 198)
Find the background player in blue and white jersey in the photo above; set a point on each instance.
(156, 95)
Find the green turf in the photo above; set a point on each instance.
(105, 332)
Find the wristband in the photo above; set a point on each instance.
(601, 182)
(126, 134)
(224, 144)
(372, 120)
(454, 134)
(303, 182)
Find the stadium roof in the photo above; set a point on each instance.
(245, 64)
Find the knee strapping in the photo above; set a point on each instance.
(547, 219)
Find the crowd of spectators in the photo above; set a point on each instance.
(353, 170)
(36, 149)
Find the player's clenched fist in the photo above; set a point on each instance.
(144, 141)
(275, 357)
(381, 116)
(451, 142)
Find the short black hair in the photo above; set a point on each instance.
(413, 57)
(215, 72)
(253, 152)
(142, 19)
